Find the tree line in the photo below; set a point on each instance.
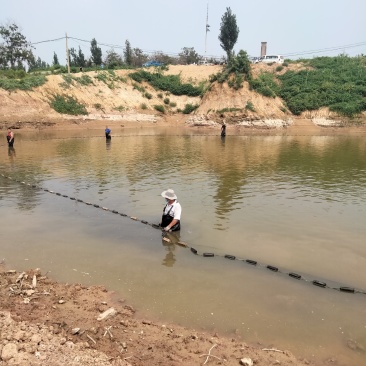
(16, 52)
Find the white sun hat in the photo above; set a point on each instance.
(169, 194)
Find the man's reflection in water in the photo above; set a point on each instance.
(108, 144)
(174, 238)
(11, 153)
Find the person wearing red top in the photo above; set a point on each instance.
(10, 137)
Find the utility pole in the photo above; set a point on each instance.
(67, 56)
(207, 30)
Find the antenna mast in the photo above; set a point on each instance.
(207, 30)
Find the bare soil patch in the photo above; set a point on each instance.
(43, 322)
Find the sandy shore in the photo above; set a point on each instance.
(43, 322)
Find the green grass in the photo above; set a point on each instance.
(27, 82)
(170, 83)
(67, 105)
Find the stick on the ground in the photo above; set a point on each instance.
(272, 349)
(91, 339)
(209, 354)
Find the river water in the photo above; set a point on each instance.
(297, 203)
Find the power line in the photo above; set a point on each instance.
(173, 54)
(49, 40)
(325, 49)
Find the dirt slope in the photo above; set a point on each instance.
(118, 98)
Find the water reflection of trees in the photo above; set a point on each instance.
(230, 166)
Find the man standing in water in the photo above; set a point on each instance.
(10, 137)
(223, 130)
(108, 133)
(170, 221)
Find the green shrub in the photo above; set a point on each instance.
(120, 108)
(171, 83)
(12, 74)
(335, 82)
(235, 72)
(265, 84)
(159, 108)
(84, 80)
(138, 87)
(67, 79)
(172, 104)
(189, 108)
(148, 95)
(110, 78)
(160, 95)
(143, 106)
(279, 68)
(249, 106)
(98, 107)
(67, 105)
(166, 101)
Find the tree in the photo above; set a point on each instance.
(77, 59)
(163, 58)
(138, 57)
(81, 58)
(128, 53)
(73, 57)
(229, 32)
(188, 56)
(113, 59)
(37, 64)
(96, 53)
(15, 49)
(55, 59)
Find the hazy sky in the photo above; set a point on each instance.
(292, 28)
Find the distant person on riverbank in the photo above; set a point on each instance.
(108, 133)
(10, 137)
(170, 220)
(223, 130)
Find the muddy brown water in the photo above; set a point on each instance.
(294, 202)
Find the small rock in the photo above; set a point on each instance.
(75, 331)
(61, 301)
(107, 314)
(9, 351)
(246, 361)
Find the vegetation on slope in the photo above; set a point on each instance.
(335, 82)
(338, 83)
(170, 83)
